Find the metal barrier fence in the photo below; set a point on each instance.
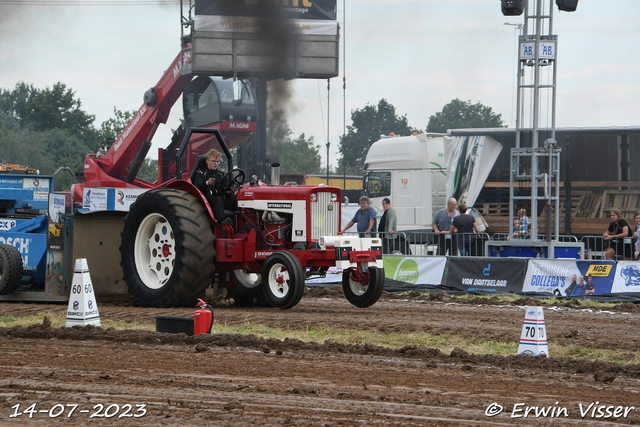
(596, 248)
(472, 244)
(427, 243)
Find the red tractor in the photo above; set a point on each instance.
(172, 248)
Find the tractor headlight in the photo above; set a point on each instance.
(334, 197)
(314, 197)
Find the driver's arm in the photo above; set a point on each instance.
(200, 180)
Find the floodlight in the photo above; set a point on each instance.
(513, 7)
(567, 5)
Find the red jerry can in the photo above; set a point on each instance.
(203, 319)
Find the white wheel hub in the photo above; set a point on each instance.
(248, 278)
(155, 251)
(278, 280)
(357, 287)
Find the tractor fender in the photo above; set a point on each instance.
(190, 188)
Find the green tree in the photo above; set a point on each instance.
(301, 155)
(463, 115)
(367, 125)
(45, 109)
(112, 128)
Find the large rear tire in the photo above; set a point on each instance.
(364, 294)
(167, 249)
(10, 269)
(283, 280)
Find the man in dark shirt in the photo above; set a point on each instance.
(209, 181)
(589, 289)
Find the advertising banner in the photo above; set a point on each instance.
(550, 275)
(469, 161)
(110, 199)
(94, 199)
(295, 9)
(415, 270)
(485, 274)
(123, 198)
(627, 277)
(570, 278)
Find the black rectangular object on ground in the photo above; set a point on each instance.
(174, 325)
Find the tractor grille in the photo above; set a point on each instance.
(324, 222)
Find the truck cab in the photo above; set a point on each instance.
(411, 171)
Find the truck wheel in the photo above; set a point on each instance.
(283, 280)
(248, 289)
(167, 249)
(364, 294)
(10, 269)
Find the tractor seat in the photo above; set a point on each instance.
(201, 162)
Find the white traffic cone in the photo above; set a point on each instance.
(533, 340)
(83, 309)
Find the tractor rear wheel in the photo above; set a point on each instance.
(283, 280)
(10, 269)
(248, 289)
(366, 292)
(167, 249)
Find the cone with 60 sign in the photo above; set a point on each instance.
(533, 340)
(83, 309)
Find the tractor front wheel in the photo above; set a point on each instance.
(283, 280)
(363, 288)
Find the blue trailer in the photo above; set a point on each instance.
(36, 223)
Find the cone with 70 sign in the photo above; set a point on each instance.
(533, 340)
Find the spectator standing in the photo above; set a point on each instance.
(365, 217)
(442, 227)
(388, 227)
(464, 224)
(617, 231)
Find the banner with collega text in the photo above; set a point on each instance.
(569, 277)
(550, 275)
(495, 275)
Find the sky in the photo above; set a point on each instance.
(417, 54)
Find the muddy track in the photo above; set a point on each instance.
(237, 380)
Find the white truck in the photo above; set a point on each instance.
(411, 171)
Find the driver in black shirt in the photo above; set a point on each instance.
(209, 181)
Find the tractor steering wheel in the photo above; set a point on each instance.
(235, 177)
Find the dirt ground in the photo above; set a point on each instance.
(81, 376)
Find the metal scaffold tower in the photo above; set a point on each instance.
(535, 169)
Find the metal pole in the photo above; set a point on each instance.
(328, 118)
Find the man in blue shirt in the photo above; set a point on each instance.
(365, 218)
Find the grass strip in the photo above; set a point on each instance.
(321, 334)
